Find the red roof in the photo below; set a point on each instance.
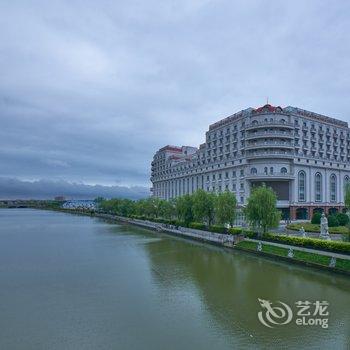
(171, 148)
(267, 108)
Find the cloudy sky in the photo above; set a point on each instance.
(89, 90)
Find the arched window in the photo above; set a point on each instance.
(271, 170)
(333, 188)
(283, 121)
(346, 180)
(265, 170)
(301, 186)
(318, 187)
(255, 122)
(253, 171)
(284, 170)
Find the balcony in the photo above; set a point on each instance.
(270, 144)
(269, 134)
(269, 154)
(270, 176)
(274, 123)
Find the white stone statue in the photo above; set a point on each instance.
(290, 253)
(259, 248)
(324, 228)
(333, 262)
(302, 232)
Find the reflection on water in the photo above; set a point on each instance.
(80, 283)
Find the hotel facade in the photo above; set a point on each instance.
(303, 156)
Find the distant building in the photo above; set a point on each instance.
(79, 204)
(303, 156)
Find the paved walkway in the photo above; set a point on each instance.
(308, 250)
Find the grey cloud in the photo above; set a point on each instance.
(44, 189)
(89, 90)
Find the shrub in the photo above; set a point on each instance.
(180, 223)
(316, 228)
(235, 230)
(338, 230)
(197, 225)
(217, 229)
(249, 233)
(333, 246)
(316, 218)
(333, 221)
(343, 219)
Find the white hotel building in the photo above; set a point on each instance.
(303, 156)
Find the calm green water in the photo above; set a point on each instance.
(71, 282)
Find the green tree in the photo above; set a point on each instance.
(203, 206)
(343, 219)
(184, 208)
(347, 205)
(333, 221)
(126, 207)
(347, 196)
(151, 207)
(316, 218)
(109, 205)
(261, 211)
(225, 208)
(166, 209)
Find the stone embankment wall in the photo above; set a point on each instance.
(206, 236)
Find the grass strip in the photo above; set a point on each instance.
(298, 255)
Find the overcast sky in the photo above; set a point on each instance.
(89, 90)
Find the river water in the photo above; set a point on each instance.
(74, 282)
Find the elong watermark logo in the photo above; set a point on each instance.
(307, 313)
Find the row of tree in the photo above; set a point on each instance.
(202, 207)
